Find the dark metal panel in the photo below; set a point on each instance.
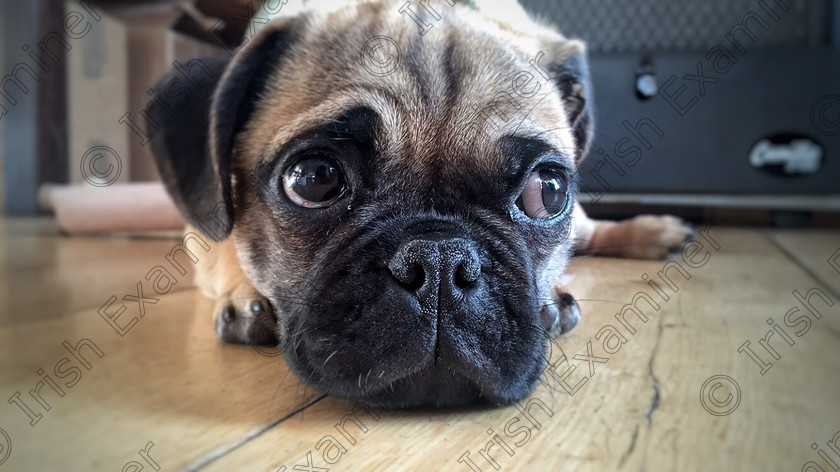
(622, 26)
(706, 149)
(835, 24)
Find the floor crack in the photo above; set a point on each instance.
(630, 448)
(654, 404)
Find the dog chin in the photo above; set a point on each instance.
(438, 387)
(433, 385)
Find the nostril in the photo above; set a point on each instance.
(466, 277)
(466, 265)
(415, 277)
(410, 274)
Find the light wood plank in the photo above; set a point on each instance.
(45, 274)
(168, 381)
(818, 250)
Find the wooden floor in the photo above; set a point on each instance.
(665, 399)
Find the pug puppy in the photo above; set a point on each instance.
(394, 203)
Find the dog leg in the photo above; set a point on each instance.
(642, 237)
(241, 315)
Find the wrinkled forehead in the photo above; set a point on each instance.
(449, 95)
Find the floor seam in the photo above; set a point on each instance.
(224, 449)
(87, 310)
(801, 265)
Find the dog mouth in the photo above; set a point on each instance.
(436, 319)
(415, 375)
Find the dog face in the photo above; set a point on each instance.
(405, 213)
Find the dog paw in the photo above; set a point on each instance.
(562, 314)
(245, 320)
(653, 237)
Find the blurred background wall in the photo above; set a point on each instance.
(76, 77)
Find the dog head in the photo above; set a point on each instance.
(403, 198)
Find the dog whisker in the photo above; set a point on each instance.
(329, 357)
(366, 378)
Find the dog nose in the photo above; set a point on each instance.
(442, 268)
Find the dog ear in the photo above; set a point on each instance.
(570, 72)
(179, 121)
(194, 146)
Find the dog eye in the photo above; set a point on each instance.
(544, 195)
(314, 182)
